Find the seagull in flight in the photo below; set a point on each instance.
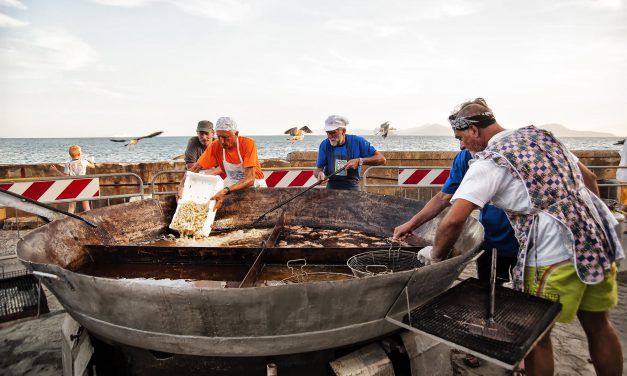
(297, 134)
(134, 140)
(384, 129)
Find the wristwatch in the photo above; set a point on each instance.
(227, 189)
(361, 162)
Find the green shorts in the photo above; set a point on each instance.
(560, 281)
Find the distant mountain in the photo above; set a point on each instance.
(561, 131)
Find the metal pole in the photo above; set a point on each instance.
(17, 223)
(271, 369)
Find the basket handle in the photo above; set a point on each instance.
(291, 268)
(384, 267)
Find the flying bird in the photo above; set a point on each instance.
(384, 129)
(297, 134)
(134, 140)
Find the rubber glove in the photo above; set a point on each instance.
(424, 255)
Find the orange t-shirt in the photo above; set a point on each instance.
(248, 149)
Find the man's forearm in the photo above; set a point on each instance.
(445, 238)
(376, 159)
(450, 228)
(431, 210)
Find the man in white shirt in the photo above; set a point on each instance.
(567, 236)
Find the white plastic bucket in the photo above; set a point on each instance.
(199, 188)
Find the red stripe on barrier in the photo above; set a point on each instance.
(37, 189)
(73, 189)
(97, 194)
(441, 179)
(6, 186)
(301, 179)
(416, 177)
(275, 177)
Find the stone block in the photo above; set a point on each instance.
(426, 355)
(370, 360)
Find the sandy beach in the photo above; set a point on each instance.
(32, 346)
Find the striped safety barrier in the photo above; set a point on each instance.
(56, 190)
(289, 178)
(422, 177)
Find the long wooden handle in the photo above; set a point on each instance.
(295, 196)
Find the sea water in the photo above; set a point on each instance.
(55, 150)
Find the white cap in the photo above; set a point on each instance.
(226, 124)
(334, 122)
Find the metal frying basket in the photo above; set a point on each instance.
(303, 276)
(383, 261)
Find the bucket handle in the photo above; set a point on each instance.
(53, 277)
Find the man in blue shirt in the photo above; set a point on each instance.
(339, 150)
(499, 233)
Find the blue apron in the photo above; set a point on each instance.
(347, 180)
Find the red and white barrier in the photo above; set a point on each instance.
(289, 178)
(422, 177)
(55, 190)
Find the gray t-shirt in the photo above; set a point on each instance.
(194, 150)
(76, 167)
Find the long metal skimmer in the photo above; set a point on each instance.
(488, 327)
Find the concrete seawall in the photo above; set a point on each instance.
(146, 170)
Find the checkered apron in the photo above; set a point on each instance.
(553, 182)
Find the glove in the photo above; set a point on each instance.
(424, 255)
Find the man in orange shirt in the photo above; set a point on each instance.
(234, 155)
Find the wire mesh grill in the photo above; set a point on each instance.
(20, 296)
(450, 317)
(383, 261)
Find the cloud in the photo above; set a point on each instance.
(354, 26)
(6, 21)
(222, 10)
(608, 4)
(102, 90)
(39, 50)
(13, 4)
(589, 4)
(124, 3)
(449, 9)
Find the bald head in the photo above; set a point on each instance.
(471, 108)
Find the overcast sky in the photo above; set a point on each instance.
(91, 68)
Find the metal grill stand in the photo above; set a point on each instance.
(21, 295)
(448, 318)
